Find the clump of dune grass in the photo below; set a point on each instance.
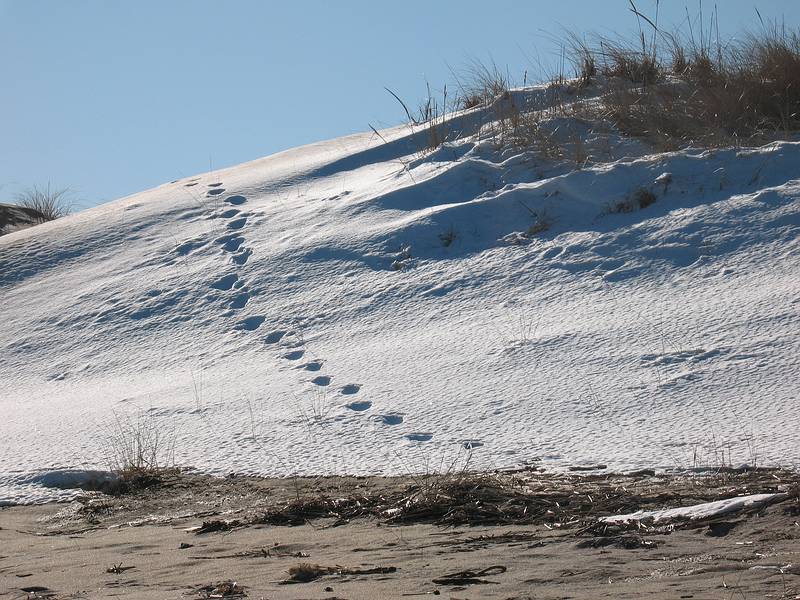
(672, 90)
(695, 89)
(50, 203)
(139, 449)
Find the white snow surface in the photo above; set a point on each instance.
(706, 510)
(364, 306)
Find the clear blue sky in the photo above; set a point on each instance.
(113, 97)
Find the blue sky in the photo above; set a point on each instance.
(112, 97)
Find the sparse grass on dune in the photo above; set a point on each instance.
(50, 203)
(671, 90)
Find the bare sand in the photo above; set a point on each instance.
(380, 538)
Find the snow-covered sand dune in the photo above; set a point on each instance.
(364, 306)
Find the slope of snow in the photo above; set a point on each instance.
(362, 306)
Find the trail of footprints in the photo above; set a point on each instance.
(294, 351)
(233, 244)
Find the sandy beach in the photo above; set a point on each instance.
(362, 538)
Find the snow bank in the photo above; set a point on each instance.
(363, 306)
(706, 510)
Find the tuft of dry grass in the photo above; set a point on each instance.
(480, 84)
(746, 91)
(50, 203)
(140, 450)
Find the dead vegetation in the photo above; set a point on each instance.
(222, 589)
(671, 89)
(47, 202)
(139, 450)
(522, 498)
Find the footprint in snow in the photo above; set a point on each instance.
(240, 301)
(187, 247)
(214, 185)
(350, 388)
(294, 355)
(273, 337)
(314, 365)
(231, 243)
(250, 323)
(225, 283)
(236, 200)
(242, 257)
(419, 437)
(215, 192)
(360, 406)
(322, 380)
(231, 212)
(391, 419)
(237, 223)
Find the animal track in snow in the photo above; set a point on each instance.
(314, 365)
(419, 437)
(360, 406)
(682, 356)
(188, 246)
(322, 380)
(250, 323)
(242, 257)
(294, 355)
(240, 301)
(226, 282)
(391, 419)
(236, 200)
(350, 388)
(231, 242)
(237, 223)
(273, 337)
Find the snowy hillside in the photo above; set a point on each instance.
(366, 306)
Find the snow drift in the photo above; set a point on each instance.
(368, 305)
